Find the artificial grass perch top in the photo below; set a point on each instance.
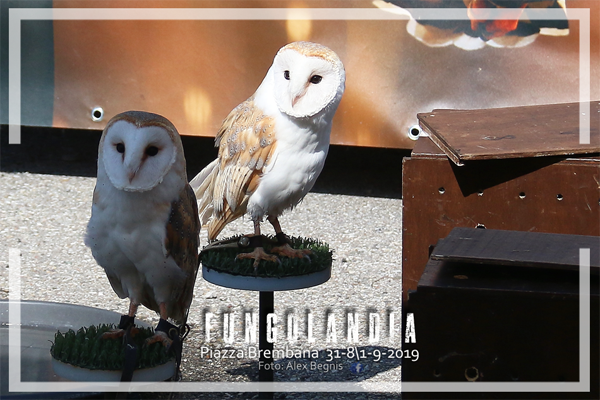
(222, 258)
(86, 349)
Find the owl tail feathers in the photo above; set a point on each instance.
(216, 225)
(200, 180)
(202, 184)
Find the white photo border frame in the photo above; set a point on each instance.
(16, 15)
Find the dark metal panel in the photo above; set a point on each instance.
(37, 65)
(525, 249)
(477, 323)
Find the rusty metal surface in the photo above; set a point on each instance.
(195, 72)
(546, 194)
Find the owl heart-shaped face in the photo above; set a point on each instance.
(305, 84)
(136, 159)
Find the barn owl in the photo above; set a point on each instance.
(144, 228)
(272, 147)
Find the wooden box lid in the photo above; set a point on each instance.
(517, 248)
(513, 132)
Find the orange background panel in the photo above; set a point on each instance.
(195, 72)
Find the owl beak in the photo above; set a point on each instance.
(298, 94)
(131, 175)
(296, 98)
(132, 171)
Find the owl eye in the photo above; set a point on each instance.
(152, 151)
(120, 148)
(316, 79)
(286, 75)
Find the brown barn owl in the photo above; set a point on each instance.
(273, 146)
(144, 226)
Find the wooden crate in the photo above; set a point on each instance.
(526, 179)
(503, 306)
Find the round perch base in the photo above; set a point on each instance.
(264, 284)
(86, 356)
(73, 373)
(221, 267)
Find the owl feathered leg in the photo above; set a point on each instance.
(126, 320)
(161, 335)
(258, 253)
(284, 249)
(170, 336)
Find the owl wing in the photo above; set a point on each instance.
(181, 243)
(246, 144)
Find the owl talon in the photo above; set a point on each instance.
(257, 255)
(113, 334)
(287, 251)
(161, 337)
(118, 333)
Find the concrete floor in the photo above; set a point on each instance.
(46, 186)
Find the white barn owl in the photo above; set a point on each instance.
(273, 146)
(144, 228)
